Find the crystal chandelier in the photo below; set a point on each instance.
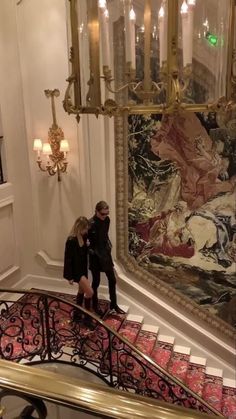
(137, 56)
(55, 150)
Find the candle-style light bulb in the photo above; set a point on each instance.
(104, 33)
(47, 150)
(206, 24)
(132, 15)
(38, 145)
(161, 12)
(81, 28)
(184, 8)
(102, 4)
(187, 14)
(64, 147)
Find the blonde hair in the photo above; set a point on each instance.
(80, 224)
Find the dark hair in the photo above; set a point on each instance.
(101, 205)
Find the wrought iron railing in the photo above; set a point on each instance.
(38, 327)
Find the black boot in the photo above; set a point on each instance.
(96, 308)
(77, 315)
(87, 319)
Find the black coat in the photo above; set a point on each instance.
(100, 258)
(75, 260)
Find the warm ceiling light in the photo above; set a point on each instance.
(102, 4)
(161, 12)
(132, 14)
(184, 8)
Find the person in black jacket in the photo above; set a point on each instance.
(76, 264)
(100, 259)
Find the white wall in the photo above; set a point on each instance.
(15, 199)
(35, 57)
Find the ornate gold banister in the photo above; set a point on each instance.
(85, 396)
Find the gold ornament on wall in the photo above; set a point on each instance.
(56, 148)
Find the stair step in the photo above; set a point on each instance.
(197, 360)
(213, 387)
(134, 318)
(162, 351)
(130, 328)
(124, 308)
(150, 328)
(179, 361)
(229, 398)
(182, 349)
(195, 377)
(146, 341)
(166, 339)
(227, 382)
(114, 321)
(216, 372)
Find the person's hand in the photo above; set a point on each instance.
(71, 282)
(88, 242)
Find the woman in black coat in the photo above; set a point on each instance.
(76, 264)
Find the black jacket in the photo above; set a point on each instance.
(75, 260)
(100, 246)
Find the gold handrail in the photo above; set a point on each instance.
(138, 353)
(89, 397)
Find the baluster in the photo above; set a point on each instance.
(110, 359)
(47, 328)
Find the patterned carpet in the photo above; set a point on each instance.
(22, 336)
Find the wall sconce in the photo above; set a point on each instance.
(56, 148)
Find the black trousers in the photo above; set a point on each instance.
(96, 275)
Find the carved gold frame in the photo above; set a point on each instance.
(130, 264)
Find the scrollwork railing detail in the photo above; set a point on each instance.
(39, 328)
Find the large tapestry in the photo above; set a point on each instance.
(182, 203)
